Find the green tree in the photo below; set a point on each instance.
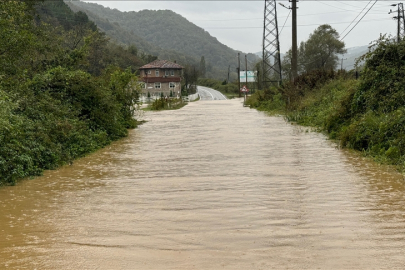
(16, 35)
(132, 49)
(202, 67)
(190, 76)
(320, 51)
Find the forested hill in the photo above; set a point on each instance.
(165, 34)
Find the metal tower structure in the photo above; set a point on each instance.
(400, 21)
(271, 45)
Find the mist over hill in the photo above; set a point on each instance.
(349, 58)
(165, 34)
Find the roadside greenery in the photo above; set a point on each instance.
(320, 51)
(167, 104)
(366, 114)
(63, 91)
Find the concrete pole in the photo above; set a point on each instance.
(239, 74)
(246, 71)
(294, 60)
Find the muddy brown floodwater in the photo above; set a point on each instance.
(211, 186)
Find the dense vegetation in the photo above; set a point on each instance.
(166, 104)
(65, 90)
(366, 114)
(320, 51)
(167, 35)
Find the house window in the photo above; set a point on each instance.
(172, 85)
(149, 72)
(157, 85)
(157, 73)
(172, 72)
(166, 72)
(143, 86)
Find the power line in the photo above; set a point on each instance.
(315, 24)
(322, 2)
(347, 4)
(284, 23)
(356, 17)
(360, 19)
(301, 15)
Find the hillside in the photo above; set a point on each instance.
(349, 58)
(166, 34)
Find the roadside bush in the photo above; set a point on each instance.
(295, 90)
(167, 104)
(105, 105)
(327, 107)
(383, 79)
(380, 135)
(61, 115)
(51, 111)
(267, 100)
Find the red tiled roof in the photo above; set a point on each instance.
(161, 64)
(160, 79)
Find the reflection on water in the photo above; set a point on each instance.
(213, 185)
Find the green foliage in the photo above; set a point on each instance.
(202, 68)
(383, 79)
(190, 78)
(167, 104)
(380, 135)
(327, 106)
(294, 91)
(16, 35)
(51, 109)
(367, 115)
(318, 52)
(378, 104)
(267, 100)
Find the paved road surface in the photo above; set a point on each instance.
(209, 94)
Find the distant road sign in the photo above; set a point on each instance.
(244, 89)
(250, 76)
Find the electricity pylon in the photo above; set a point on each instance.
(271, 45)
(400, 21)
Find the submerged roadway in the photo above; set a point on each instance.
(209, 93)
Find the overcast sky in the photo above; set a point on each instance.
(239, 24)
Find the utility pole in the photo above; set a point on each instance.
(294, 48)
(246, 70)
(195, 82)
(239, 74)
(294, 60)
(400, 20)
(271, 45)
(229, 68)
(341, 64)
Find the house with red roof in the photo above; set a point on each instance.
(161, 76)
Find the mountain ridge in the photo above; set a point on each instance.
(165, 34)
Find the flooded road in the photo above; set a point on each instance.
(211, 186)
